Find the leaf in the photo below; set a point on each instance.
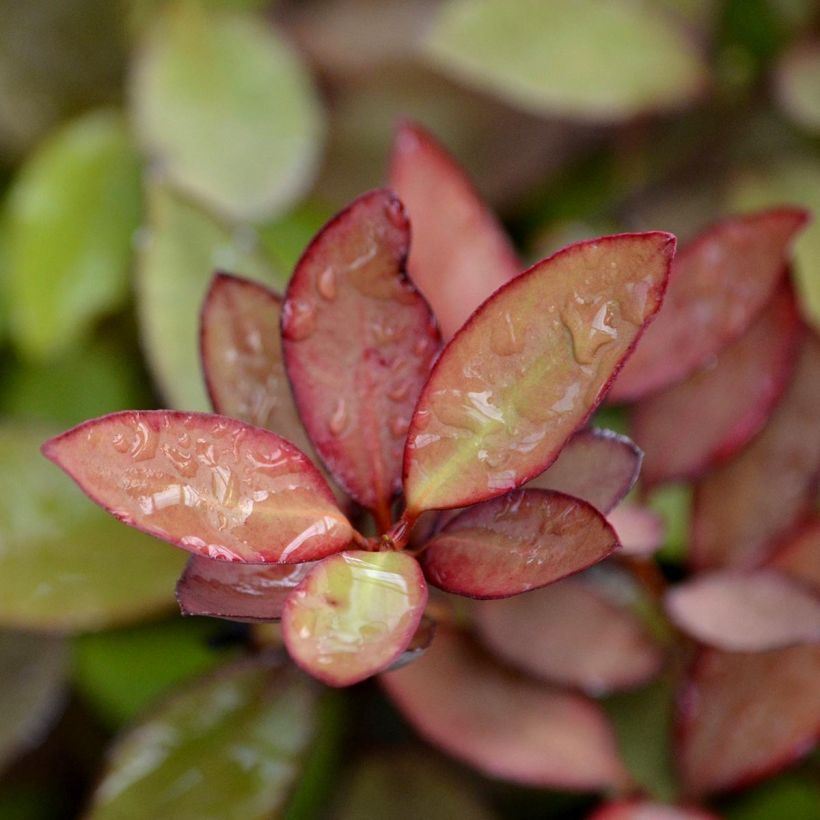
(570, 634)
(720, 282)
(797, 84)
(578, 58)
(724, 744)
(230, 745)
(65, 565)
(646, 810)
(799, 555)
(745, 612)
(32, 689)
(640, 530)
(529, 368)
(226, 109)
(517, 542)
(503, 725)
(209, 484)
(706, 419)
(358, 341)
(460, 253)
(745, 505)
(72, 210)
(597, 466)
(182, 247)
(354, 615)
(238, 592)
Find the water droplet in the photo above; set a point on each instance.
(338, 421)
(385, 332)
(120, 442)
(633, 307)
(298, 319)
(422, 346)
(326, 284)
(399, 391)
(399, 425)
(145, 441)
(185, 463)
(494, 458)
(184, 440)
(589, 327)
(394, 211)
(505, 338)
(422, 419)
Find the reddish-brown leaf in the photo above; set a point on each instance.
(646, 810)
(504, 725)
(518, 542)
(359, 341)
(743, 506)
(746, 612)
(640, 530)
(238, 592)
(209, 484)
(799, 555)
(570, 634)
(743, 717)
(710, 416)
(529, 367)
(719, 283)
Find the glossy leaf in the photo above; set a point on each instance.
(646, 810)
(517, 542)
(358, 341)
(746, 612)
(179, 252)
(726, 745)
(226, 109)
(529, 368)
(238, 592)
(419, 643)
(578, 58)
(233, 744)
(799, 555)
(598, 466)
(798, 84)
(209, 484)
(710, 416)
(570, 634)
(753, 500)
(66, 565)
(503, 725)
(72, 214)
(460, 253)
(354, 615)
(720, 282)
(640, 530)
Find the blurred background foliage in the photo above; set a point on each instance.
(145, 143)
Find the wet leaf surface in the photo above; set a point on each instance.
(517, 542)
(354, 615)
(720, 281)
(460, 253)
(209, 484)
(520, 377)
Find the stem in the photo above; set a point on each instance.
(382, 517)
(399, 534)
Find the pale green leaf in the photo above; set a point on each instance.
(602, 60)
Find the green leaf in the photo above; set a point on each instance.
(182, 249)
(64, 564)
(603, 60)
(230, 745)
(226, 109)
(72, 214)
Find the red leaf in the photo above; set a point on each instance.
(238, 592)
(719, 283)
(570, 634)
(359, 342)
(646, 810)
(746, 612)
(209, 484)
(743, 717)
(460, 252)
(529, 367)
(710, 416)
(504, 725)
(753, 500)
(524, 540)
(640, 530)
(799, 555)
(354, 615)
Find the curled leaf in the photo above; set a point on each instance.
(209, 484)
(529, 367)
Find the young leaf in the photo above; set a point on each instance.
(719, 283)
(753, 500)
(504, 725)
(521, 541)
(710, 416)
(238, 592)
(209, 484)
(598, 466)
(571, 635)
(646, 810)
(529, 367)
(746, 612)
(799, 555)
(640, 530)
(358, 341)
(354, 615)
(724, 744)
(460, 252)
